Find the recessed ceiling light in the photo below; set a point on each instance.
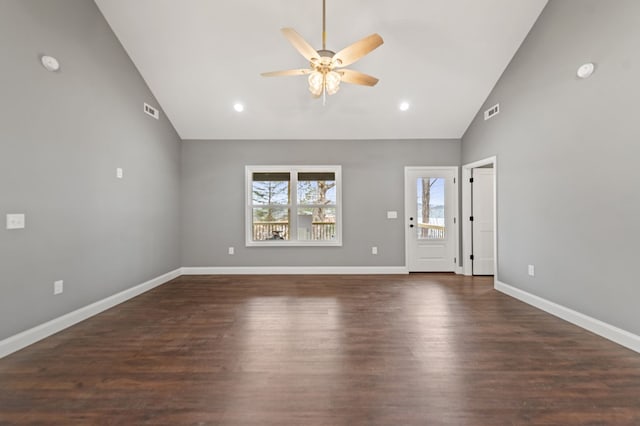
(50, 63)
(238, 107)
(586, 70)
(404, 106)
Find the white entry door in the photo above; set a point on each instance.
(431, 195)
(482, 224)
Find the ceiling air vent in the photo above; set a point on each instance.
(151, 111)
(494, 110)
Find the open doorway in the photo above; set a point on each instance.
(479, 228)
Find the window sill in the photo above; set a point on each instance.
(284, 243)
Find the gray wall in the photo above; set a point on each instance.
(213, 179)
(62, 135)
(568, 149)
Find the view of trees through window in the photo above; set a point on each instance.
(318, 190)
(431, 223)
(270, 198)
(275, 205)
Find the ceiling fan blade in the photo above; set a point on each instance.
(356, 77)
(301, 71)
(300, 44)
(357, 50)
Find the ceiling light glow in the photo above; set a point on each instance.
(404, 106)
(324, 81)
(316, 83)
(238, 107)
(332, 82)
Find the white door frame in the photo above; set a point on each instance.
(454, 203)
(466, 213)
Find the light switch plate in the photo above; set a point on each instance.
(392, 215)
(119, 173)
(58, 287)
(531, 270)
(15, 221)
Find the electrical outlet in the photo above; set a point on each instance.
(58, 287)
(532, 271)
(231, 250)
(374, 250)
(392, 214)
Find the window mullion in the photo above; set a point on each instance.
(315, 206)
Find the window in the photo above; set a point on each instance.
(293, 206)
(431, 208)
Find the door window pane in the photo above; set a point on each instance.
(431, 208)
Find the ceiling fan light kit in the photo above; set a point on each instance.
(319, 82)
(326, 70)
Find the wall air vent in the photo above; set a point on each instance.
(151, 111)
(494, 110)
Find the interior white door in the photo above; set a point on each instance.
(482, 224)
(431, 195)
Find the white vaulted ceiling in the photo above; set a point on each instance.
(200, 57)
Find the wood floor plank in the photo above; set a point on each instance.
(322, 350)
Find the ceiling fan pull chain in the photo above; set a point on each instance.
(324, 88)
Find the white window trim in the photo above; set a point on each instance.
(293, 218)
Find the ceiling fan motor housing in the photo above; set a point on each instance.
(325, 62)
(324, 53)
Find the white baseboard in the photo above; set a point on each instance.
(39, 332)
(295, 270)
(608, 331)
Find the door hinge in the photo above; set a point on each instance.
(454, 180)
(454, 220)
(471, 218)
(471, 257)
(470, 180)
(455, 260)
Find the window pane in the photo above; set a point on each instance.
(317, 224)
(317, 188)
(270, 223)
(431, 208)
(270, 188)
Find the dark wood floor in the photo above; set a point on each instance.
(322, 350)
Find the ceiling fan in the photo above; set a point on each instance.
(326, 70)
